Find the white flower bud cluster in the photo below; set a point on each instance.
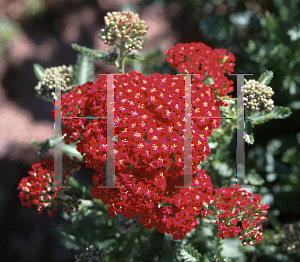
(46, 87)
(257, 96)
(126, 26)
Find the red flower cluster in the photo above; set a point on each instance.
(148, 135)
(35, 188)
(235, 204)
(198, 58)
(149, 152)
(150, 131)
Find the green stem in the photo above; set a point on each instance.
(84, 202)
(63, 196)
(121, 63)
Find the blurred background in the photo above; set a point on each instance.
(263, 35)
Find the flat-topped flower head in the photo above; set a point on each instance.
(39, 188)
(46, 88)
(257, 96)
(125, 26)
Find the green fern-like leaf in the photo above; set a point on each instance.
(84, 70)
(99, 55)
(135, 56)
(266, 77)
(38, 71)
(278, 112)
(249, 138)
(189, 254)
(229, 100)
(69, 150)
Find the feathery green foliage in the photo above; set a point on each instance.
(266, 77)
(136, 56)
(189, 254)
(69, 150)
(84, 69)
(99, 55)
(249, 138)
(38, 71)
(271, 48)
(278, 112)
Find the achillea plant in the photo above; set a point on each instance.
(149, 151)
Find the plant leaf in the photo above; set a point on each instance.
(69, 150)
(266, 77)
(208, 81)
(99, 55)
(189, 254)
(84, 70)
(249, 133)
(38, 71)
(135, 56)
(278, 112)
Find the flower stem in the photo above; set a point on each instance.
(121, 62)
(63, 196)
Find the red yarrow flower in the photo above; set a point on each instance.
(149, 120)
(229, 199)
(35, 188)
(197, 58)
